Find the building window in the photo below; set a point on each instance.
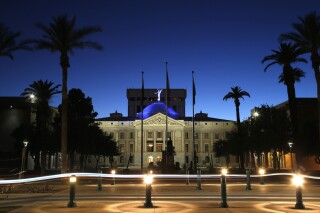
(187, 159)
(227, 135)
(150, 134)
(207, 159)
(131, 135)
(216, 136)
(121, 148)
(206, 135)
(196, 135)
(159, 147)
(159, 159)
(150, 159)
(206, 147)
(196, 147)
(186, 135)
(131, 159)
(149, 146)
(111, 134)
(131, 148)
(121, 159)
(159, 135)
(169, 135)
(122, 135)
(187, 147)
(217, 160)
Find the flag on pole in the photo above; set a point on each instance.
(167, 82)
(193, 90)
(142, 92)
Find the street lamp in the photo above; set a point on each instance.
(72, 195)
(255, 114)
(290, 146)
(298, 181)
(223, 203)
(25, 144)
(148, 181)
(261, 172)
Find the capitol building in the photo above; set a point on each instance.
(156, 119)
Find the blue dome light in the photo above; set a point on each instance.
(155, 108)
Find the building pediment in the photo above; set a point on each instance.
(159, 119)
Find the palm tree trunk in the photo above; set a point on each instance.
(241, 154)
(294, 121)
(64, 62)
(315, 64)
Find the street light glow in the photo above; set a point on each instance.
(297, 180)
(261, 171)
(73, 179)
(148, 179)
(224, 171)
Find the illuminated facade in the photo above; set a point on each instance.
(127, 131)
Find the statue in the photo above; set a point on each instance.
(158, 93)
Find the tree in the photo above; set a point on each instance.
(235, 94)
(8, 42)
(80, 117)
(286, 55)
(307, 37)
(42, 91)
(269, 132)
(63, 37)
(221, 148)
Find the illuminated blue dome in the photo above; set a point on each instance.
(155, 108)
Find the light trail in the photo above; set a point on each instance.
(141, 176)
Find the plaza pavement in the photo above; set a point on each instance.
(172, 197)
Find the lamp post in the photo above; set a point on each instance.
(113, 172)
(290, 146)
(298, 181)
(224, 203)
(148, 181)
(261, 172)
(72, 194)
(23, 156)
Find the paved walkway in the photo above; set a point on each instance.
(275, 198)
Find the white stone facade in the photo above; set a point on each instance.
(128, 136)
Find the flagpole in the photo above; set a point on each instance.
(193, 132)
(167, 93)
(142, 97)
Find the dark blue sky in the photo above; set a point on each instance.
(222, 41)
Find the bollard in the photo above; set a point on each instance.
(99, 181)
(187, 176)
(261, 172)
(72, 196)
(223, 203)
(298, 181)
(148, 181)
(199, 179)
(248, 186)
(113, 172)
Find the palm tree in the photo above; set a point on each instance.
(307, 37)
(8, 43)
(42, 91)
(63, 37)
(286, 55)
(235, 94)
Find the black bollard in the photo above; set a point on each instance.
(100, 181)
(298, 181)
(199, 179)
(148, 182)
(72, 194)
(223, 203)
(248, 186)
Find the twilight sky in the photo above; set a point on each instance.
(223, 41)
